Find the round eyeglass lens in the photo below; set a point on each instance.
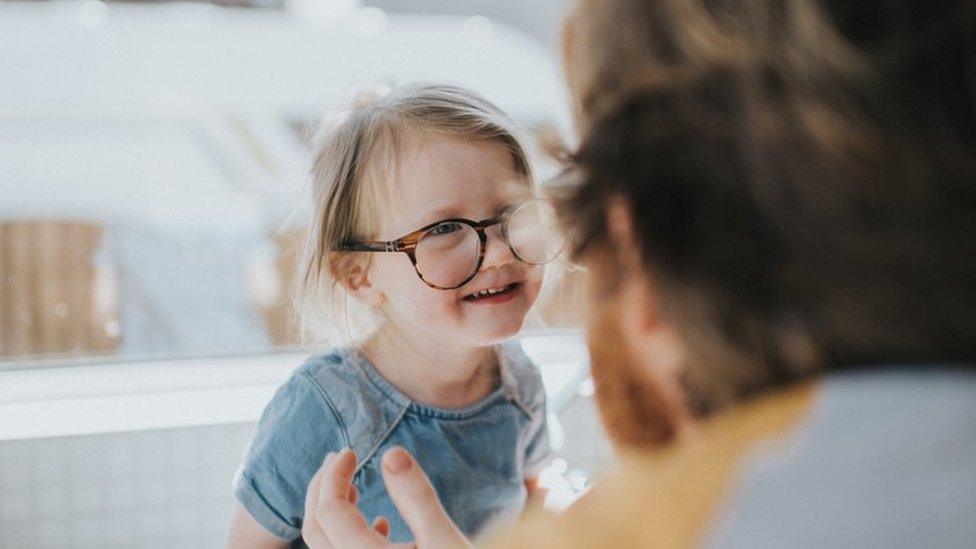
(533, 232)
(447, 255)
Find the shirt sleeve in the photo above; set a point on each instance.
(296, 430)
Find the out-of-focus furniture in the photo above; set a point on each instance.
(48, 298)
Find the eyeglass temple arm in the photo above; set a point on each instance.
(382, 246)
(407, 243)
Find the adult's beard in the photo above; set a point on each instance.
(638, 409)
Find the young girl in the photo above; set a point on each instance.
(425, 225)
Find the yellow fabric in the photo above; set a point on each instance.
(667, 498)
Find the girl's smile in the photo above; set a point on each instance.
(494, 295)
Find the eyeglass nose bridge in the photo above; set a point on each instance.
(482, 229)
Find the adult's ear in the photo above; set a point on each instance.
(651, 342)
(351, 270)
(636, 289)
(638, 296)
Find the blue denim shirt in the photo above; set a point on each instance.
(477, 457)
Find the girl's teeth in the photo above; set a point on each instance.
(489, 291)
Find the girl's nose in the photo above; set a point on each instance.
(497, 252)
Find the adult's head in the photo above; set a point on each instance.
(771, 190)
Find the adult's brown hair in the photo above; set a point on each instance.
(802, 176)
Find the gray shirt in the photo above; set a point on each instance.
(887, 459)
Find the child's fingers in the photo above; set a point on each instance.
(353, 496)
(312, 492)
(537, 494)
(417, 501)
(312, 532)
(336, 476)
(334, 509)
(382, 526)
(345, 525)
(315, 538)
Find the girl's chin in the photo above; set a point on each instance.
(492, 334)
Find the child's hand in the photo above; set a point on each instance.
(335, 499)
(332, 520)
(536, 494)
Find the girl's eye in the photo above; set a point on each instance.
(445, 228)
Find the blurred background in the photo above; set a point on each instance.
(153, 190)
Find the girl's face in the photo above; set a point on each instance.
(442, 177)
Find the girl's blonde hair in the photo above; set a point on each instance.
(354, 155)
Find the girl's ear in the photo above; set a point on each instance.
(351, 270)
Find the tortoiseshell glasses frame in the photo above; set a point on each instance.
(408, 243)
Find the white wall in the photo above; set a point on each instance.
(540, 18)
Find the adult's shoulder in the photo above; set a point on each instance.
(621, 510)
(667, 496)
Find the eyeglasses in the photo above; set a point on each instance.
(447, 254)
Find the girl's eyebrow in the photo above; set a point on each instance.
(438, 214)
(454, 212)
